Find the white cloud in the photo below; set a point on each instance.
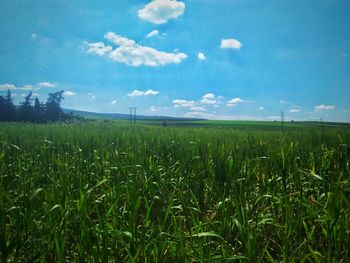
(261, 108)
(47, 85)
(231, 43)
(184, 103)
(133, 54)
(154, 108)
(294, 110)
(151, 92)
(119, 40)
(136, 93)
(208, 99)
(7, 87)
(69, 93)
(28, 87)
(215, 116)
(198, 108)
(209, 96)
(140, 55)
(13, 87)
(152, 33)
(234, 102)
(114, 102)
(200, 114)
(99, 48)
(322, 107)
(26, 94)
(160, 11)
(284, 102)
(201, 56)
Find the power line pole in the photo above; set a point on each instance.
(132, 117)
(135, 115)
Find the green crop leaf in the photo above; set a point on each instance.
(16, 147)
(36, 192)
(127, 233)
(54, 207)
(316, 176)
(207, 234)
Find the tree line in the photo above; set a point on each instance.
(33, 110)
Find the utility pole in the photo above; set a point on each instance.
(135, 115)
(132, 115)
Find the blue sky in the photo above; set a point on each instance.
(228, 59)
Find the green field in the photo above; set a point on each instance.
(249, 125)
(210, 192)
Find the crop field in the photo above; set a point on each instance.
(110, 192)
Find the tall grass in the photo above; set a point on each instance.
(107, 192)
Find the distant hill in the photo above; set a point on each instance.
(122, 116)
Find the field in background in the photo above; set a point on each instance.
(190, 192)
(247, 125)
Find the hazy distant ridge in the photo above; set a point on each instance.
(123, 116)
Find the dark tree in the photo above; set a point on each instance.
(53, 108)
(38, 111)
(7, 108)
(2, 108)
(49, 112)
(26, 111)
